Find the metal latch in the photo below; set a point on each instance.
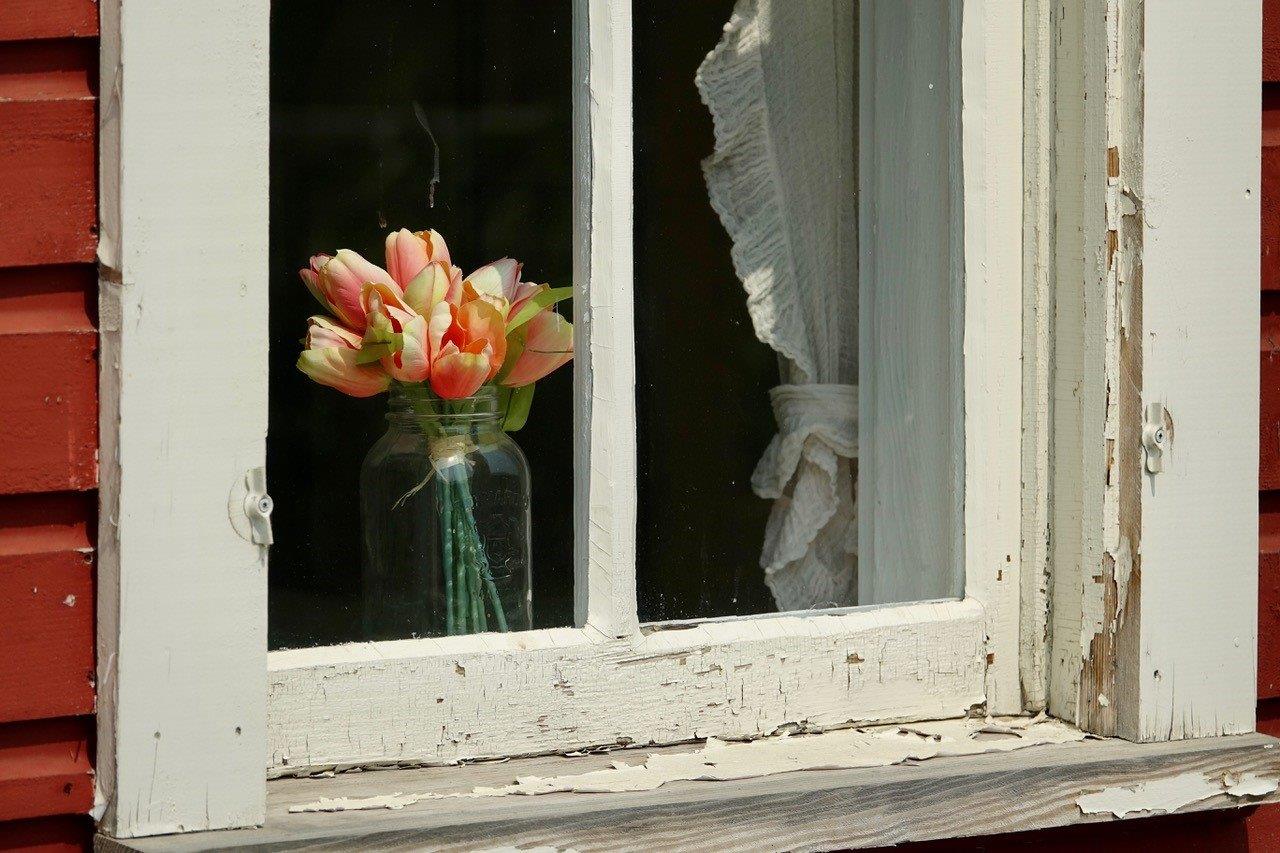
(1154, 437)
(249, 507)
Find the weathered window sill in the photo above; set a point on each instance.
(943, 797)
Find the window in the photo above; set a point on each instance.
(656, 439)
(941, 340)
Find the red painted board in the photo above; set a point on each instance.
(61, 298)
(46, 606)
(42, 19)
(1269, 399)
(45, 768)
(48, 210)
(1270, 198)
(48, 411)
(62, 834)
(1270, 40)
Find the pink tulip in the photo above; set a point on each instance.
(419, 262)
(548, 344)
(337, 283)
(409, 251)
(459, 373)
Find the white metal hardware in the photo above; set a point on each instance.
(1154, 438)
(249, 507)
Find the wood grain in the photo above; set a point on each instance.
(938, 798)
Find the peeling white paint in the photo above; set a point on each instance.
(736, 679)
(1174, 792)
(718, 761)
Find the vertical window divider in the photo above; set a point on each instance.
(604, 366)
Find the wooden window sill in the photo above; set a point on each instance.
(942, 797)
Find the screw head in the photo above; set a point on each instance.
(1159, 436)
(265, 505)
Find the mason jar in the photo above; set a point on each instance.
(444, 498)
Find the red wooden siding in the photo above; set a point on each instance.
(48, 420)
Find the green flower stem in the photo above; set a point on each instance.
(445, 500)
(466, 565)
(482, 566)
(464, 593)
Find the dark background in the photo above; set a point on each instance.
(702, 375)
(349, 162)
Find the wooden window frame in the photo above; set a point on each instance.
(187, 720)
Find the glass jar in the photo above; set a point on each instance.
(444, 499)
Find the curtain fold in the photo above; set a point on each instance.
(780, 87)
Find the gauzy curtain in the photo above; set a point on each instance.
(781, 88)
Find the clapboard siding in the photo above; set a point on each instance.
(45, 768)
(46, 583)
(48, 419)
(48, 151)
(42, 19)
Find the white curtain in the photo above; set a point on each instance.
(781, 87)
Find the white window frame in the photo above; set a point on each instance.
(187, 721)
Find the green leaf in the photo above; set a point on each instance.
(530, 309)
(518, 408)
(373, 350)
(515, 346)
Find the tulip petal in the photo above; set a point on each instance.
(480, 321)
(498, 279)
(438, 325)
(322, 333)
(337, 368)
(428, 288)
(341, 280)
(458, 373)
(411, 363)
(407, 254)
(548, 344)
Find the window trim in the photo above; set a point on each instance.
(183, 713)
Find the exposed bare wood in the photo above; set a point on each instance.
(813, 810)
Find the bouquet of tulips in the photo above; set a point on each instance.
(440, 337)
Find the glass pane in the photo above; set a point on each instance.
(747, 231)
(362, 93)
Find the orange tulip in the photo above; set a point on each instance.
(547, 345)
(479, 321)
(459, 373)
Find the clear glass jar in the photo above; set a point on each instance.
(444, 499)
